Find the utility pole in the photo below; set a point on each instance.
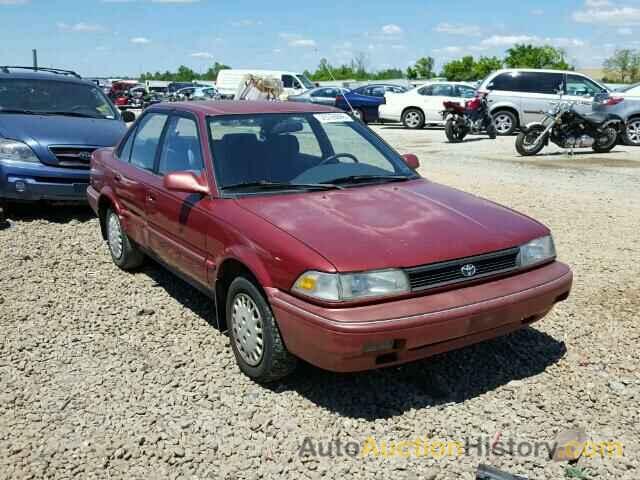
(35, 59)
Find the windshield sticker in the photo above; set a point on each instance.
(333, 117)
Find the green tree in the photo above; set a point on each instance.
(462, 70)
(212, 72)
(531, 56)
(484, 66)
(423, 68)
(624, 65)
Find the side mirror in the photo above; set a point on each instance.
(411, 160)
(185, 182)
(128, 116)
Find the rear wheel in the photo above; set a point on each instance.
(124, 252)
(631, 135)
(491, 131)
(529, 142)
(606, 142)
(413, 118)
(505, 122)
(255, 338)
(455, 133)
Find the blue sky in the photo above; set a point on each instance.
(117, 37)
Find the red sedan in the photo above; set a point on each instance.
(316, 239)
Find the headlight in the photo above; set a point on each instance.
(351, 286)
(537, 251)
(16, 151)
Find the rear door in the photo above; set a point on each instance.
(432, 99)
(135, 172)
(325, 96)
(581, 90)
(178, 221)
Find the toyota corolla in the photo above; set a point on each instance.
(315, 239)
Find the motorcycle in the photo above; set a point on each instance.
(473, 117)
(568, 128)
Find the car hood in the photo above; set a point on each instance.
(395, 225)
(60, 130)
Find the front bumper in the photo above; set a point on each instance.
(36, 181)
(340, 339)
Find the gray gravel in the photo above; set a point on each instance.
(106, 374)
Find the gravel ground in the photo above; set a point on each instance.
(106, 374)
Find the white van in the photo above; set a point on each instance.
(229, 80)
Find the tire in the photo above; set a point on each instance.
(609, 142)
(259, 349)
(526, 137)
(491, 131)
(413, 118)
(454, 134)
(631, 135)
(505, 122)
(124, 252)
(4, 211)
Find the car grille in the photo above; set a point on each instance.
(445, 273)
(73, 157)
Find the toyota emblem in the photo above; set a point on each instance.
(468, 270)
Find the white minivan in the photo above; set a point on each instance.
(229, 80)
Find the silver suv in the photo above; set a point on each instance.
(521, 96)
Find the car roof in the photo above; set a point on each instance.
(243, 107)
(56, 77)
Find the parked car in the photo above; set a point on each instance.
(51, 121)
(380, 89)
(519, 97)
(423, 105)
(197, 93)
(229, 81)
(120, 88)
(626, 107)
(174, 87)
(363, 107)
(315, 239)
(629, 91)
(320, 95)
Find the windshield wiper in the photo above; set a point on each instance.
(371, 178)
(20, 111)
(71, 114)
(267, 185)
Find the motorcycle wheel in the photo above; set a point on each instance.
(606, 143)
(491, 131)
(454, 134)
(525, 142)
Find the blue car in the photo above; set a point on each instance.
(363, 102)
(51, 121)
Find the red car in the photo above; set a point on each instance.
(316, 239)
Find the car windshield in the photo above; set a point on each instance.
(300, 149)
(54, 97)
(306, 83)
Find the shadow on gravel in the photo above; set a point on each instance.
(181, 291)
(452, 377)
(29, 212)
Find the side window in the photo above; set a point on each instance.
(538, 82)
(181, 148)
(465, 92)
(145, 145)
(287, 81)
(377, 91)
(442, 90)
(427, 91)
(125, 151)
(505, 81)
(581, 86)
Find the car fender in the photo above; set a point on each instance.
(109, 195)
(247, 256)
(504, 105)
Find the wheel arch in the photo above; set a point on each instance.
(106, 201)
(412, 107)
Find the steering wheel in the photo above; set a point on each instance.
(337, 156)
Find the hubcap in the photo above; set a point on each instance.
(633, 131)
(247, 329)
(503, 123)
(412, 119)
(357, 114)
(114, 235)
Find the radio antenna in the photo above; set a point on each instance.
(326, 66)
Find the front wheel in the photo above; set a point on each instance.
(505, 122)
(530, 142)
(606, 142)
(255, 338)
(454, 133)
(631, 135)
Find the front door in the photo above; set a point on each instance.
(178, 221)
